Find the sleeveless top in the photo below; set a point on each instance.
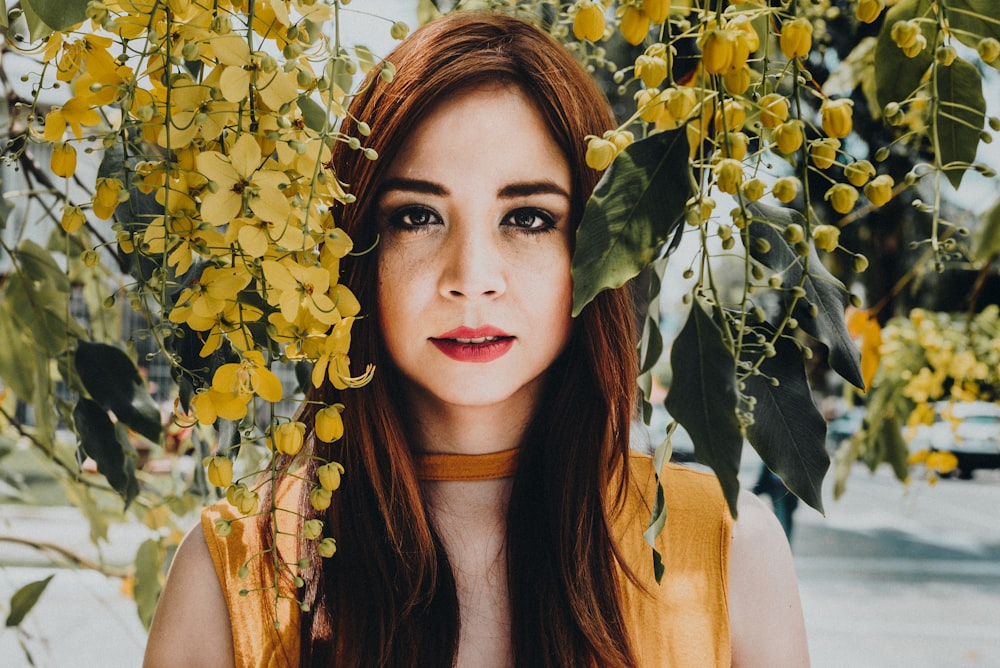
(681, 622)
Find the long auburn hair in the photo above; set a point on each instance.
(388, 597)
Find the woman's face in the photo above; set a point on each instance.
(474, 259)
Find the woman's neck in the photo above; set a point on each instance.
(467, 430)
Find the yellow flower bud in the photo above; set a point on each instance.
(600, 153)
(754, 189)
(824, 152)
(656, 10)
(732, 145)
(634, 25)
(399, 30)
(789, 136)
(63, 162)
(868, 10)
(329, 475)
(649, 103)
(796, 38)
(837, 117)
(681, 102)
(905, 33)
(651, 69)
(329, 423)
(785, 189)
(826, 237)
(106, 197)
(773, 110)
(288, 438)
(859, 172)
(588, 24)
(731, 116)
(244, 499)
(945, 55)
(312, 529)
(222, 527)
(219, 469)
(793, 233)
(745, 31)
(717, 50)
(622, 139)
(988, 49)
(73, 219)
(320, 498)
(879, 191)
(729, 175)
(842, 197)
(914, 50)
(737, 81)
(327, 547)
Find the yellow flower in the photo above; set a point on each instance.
(729, 175)
(240, 177)
(220, 470)
(733, 144)
(905, 33)
(826, 237)
(244, 499)
(656, 10)
(785, 189)
(295, 287)
(941, 462)
(288, 438)
(737, 81)
(634, 25)
(184, 239)
(600, 153)
(859, 172)
(248, 377)
(73, 219)
(753, 189)
(718, 50)
(589, 21)
(106, 195)
(868, 10)
(207, 296)
(222, 527)
(320, 498)
(837, 117)
(334, 363)
(879, 191)
(842, 197)
(651, 69)
(329, 475)
(327, 547)
(988, 49)
(789, 136)
(796, 38)
(730, 117)
(823, 152)
(773, 110)
(649, 104)
(63, 162)
(329, 423)
(312, 529)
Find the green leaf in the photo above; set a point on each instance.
(897, 76)
(366, 59)
(24, 599)
(17, 370)
(971, 20)
(986, 240)
(960, 118)
(99, 440)
(823, 290)
(148, 566)
(57, 14)
(703, 398)
(313, 114)
(788, 432)
(635, 207)
(113, 381)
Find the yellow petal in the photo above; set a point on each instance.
(267, 385)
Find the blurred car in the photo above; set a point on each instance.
(970, 430)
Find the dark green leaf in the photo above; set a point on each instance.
(897, 76)
(58, 14)
(24, 599)
(148, 564)
(703, 398)
(650, 346)
(823, 290)
(635, 207)
(960, 118)
(788, 432)
(100, 441)
(37, 29)
(986, 241)
(113, 381)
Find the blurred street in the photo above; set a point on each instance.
(889, 578)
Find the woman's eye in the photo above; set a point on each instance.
(413, 217)
(530, 220)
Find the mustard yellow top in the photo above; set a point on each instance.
(681, 622)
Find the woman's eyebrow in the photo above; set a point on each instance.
(413, 185)
(528, 188)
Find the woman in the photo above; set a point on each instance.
(492, 513)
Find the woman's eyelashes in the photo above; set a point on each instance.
(530, 220)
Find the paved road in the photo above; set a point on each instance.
(889, 578)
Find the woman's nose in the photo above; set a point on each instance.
(472, 265)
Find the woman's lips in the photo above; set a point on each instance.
(474, 344)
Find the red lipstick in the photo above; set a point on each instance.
(478, 344)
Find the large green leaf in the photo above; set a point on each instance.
(896, 76)
(113, 381)
(823, 291)
(17, 370)
(635, 207)
(57, 14)
(788, 431)
(24, 599)
(960, 118)
(986, 240)
(100, 441)
(703, 398)
(971, 20)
